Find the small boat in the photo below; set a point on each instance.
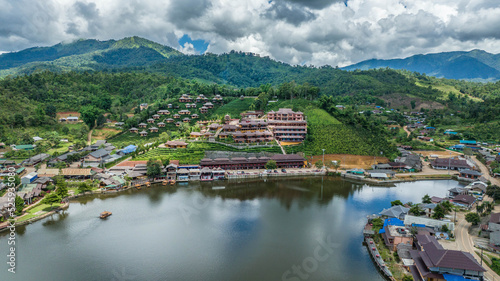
(105, 214)
(148, 184)
(138, 186)
(165, 182)
(172, 182)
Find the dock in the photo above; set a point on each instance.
(379, 261)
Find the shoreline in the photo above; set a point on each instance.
(234, 178)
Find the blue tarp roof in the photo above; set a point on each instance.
(468, 141)
(129, 149)
(450, 277)
(391, 221)
(417, 225)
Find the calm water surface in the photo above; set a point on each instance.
(212, 231)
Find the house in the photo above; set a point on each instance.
(477, 187)
(208, 105)
(119, 124)
(47, 173)
(164, 112)
(182, 175)
(35, 139)
(381, 174)
(206, 174)
(428, 222)
(193, 105)
(74, 173)
(99, 156)
(153, 130)
(143, 125)
(436, 200)
(178, 124)
(161, 125)
(456, 191)
(395, 235)
(24, 147)
(176, 144)
(194, 174)
(186, 120)
(143, 106)
(169, 105)
(436, 263)
(218, 174)
(464, 200)
(412, 161)
(188, 105)
(29, 191)
(195, 135)
(194, 116)
(176, 116)
(134, 130)
(428, 208)
(397, 211)
(72, 119)
(494, 223)
(150, 120)
(450, 163)
(204, 110)
(184, 112)
(32, 161)
(127, 150)
(171, 170)
(95, 146)
(156, 116)
(143, 134)
(469, 174)
(169, 120)
(29, 178)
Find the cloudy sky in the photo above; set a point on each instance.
(312, 32)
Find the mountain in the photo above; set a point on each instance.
(88, 54)
(473, 65)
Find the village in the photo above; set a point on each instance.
(414, 231)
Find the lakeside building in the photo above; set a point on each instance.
(242, 163)
(433, 262)
(450, 164)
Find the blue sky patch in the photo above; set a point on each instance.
(199, 45)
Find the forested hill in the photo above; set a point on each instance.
(473, 65)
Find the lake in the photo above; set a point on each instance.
(283, 229)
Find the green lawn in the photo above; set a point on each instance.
(31, 213)
(233, 108)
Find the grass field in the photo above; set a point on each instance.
(38, 210)
(104, 133)
(348, 161)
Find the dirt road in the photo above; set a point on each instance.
(407, 131)
(486, 172)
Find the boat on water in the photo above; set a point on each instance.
(138, 186)
(165, 182)
(105, 214)
(172, 182)
(148, 184)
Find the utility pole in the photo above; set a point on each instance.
(323, 158)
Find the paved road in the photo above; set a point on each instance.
(464, 243)
(486, 172)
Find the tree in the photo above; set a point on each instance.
(438, 212)
(19, 205)
(65, 130)
(396, 203)
(89, 115)
(50, 110)
(426, 199)
(153, 168)
(84, 187)
(416, 210)
(271, 165)
(62, 190)
(51, 199)
(407, 278)
(336, 165)
(444, 228)
(17, 180)
(473, 218)
(319, 164)
(447, 206)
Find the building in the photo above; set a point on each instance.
(469, 174)
(240, 163)
(285, 114)
(153, 130)
(73, 173)
(156, 116)
(450, 163)
(29, 178)
(127, 150)
(289, 131)
(98, 156)
(184, 112)
(456, 191)
(134, 130)
(176, 144)
(185, 98)
(182, 175)
(494, 223)
(186, 120)
(433, 262)
(161, 125)
(72, 119)
(164, 112)
(398, 212)
(464, 200)
(208, 105)
(143, 134)
(381, 174)
(143, 125)
(150, 120)
(204, 110)
(395, 235)
(143, 106)
(32, 161)
(252, 114)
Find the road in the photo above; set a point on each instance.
(406, 130)
(464, 243)
(486, 172)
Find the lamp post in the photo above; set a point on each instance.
(449, 164)
(323, 158)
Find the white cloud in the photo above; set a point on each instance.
(188, 49)
(295, 31)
